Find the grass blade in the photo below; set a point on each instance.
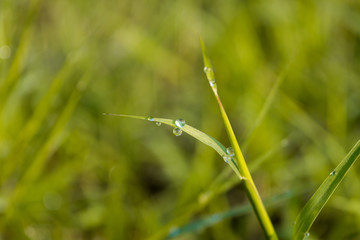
(53, 141)
(195, 133)
(249, 184)
(313, 207)
(34, 123)
(266, 107)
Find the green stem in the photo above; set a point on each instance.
(249, 184)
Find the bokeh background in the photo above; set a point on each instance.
(69, 172)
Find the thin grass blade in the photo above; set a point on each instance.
(313, 207)
(208, 69)
(34, 123)
(250, 187)
(53, 141)
(195, 133)
(266, 107)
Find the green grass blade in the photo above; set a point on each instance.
(195, 133)
(266, 107)
(250, 187)
(17, 65)
(34, 123)
(313, 207)
(53, 141)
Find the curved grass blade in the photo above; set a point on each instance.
(313, 207)
(250, 187)
(195, 133)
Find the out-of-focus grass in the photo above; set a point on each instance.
(67, 172)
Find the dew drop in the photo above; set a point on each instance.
(306, 235)
(180, 122)
(226, 158)
(333, 173)
(230, 151)
(177, 132)
(213, 84)
(206, 69)
(294, 223)
(158, 124)
(150, 118)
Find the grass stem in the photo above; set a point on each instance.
(249, 184)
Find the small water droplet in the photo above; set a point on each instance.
(158, 124)
(230, 151)
(177, 132)
(213, 84)
(150, 118)
(180, 122)
(333, 173)
(206, 69)
(226, 158)
(294, 223)
(306, 235)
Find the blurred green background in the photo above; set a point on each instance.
(68, 172)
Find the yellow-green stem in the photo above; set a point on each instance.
(249, 184)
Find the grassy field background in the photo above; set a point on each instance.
(69, 172)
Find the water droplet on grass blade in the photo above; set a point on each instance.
(333, 173)
(230, 151)
(213, 84)
(180, 122)
(206, 69)
(226, 158)
(150, 118)
(158, 124)
(177, 132)
(306, 235)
